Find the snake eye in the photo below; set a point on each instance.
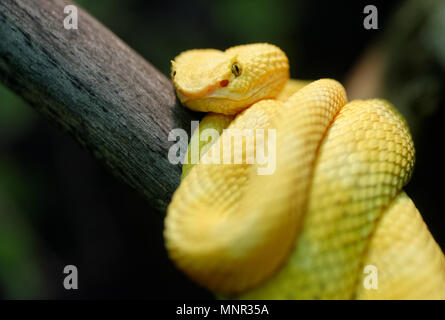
(236, 69)
(174, 73)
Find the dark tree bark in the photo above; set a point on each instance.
(94, 86)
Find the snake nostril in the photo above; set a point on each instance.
(224, 83)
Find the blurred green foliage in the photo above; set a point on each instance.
(20, 275)
(255, 20)
(15, 115)
(20, 272)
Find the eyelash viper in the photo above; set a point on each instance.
(333, 206)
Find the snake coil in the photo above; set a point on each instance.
(333, 206)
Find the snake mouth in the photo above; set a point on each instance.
(226, 102)
(188, 95)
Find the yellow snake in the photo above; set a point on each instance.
(333, 206)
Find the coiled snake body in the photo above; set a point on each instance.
(333, 206)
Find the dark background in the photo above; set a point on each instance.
(58, 206)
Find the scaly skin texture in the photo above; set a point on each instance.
(334, 204)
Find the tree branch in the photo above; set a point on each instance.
(94, 86)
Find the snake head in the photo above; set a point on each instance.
(228, 81)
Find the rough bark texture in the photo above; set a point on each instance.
(94, 86)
